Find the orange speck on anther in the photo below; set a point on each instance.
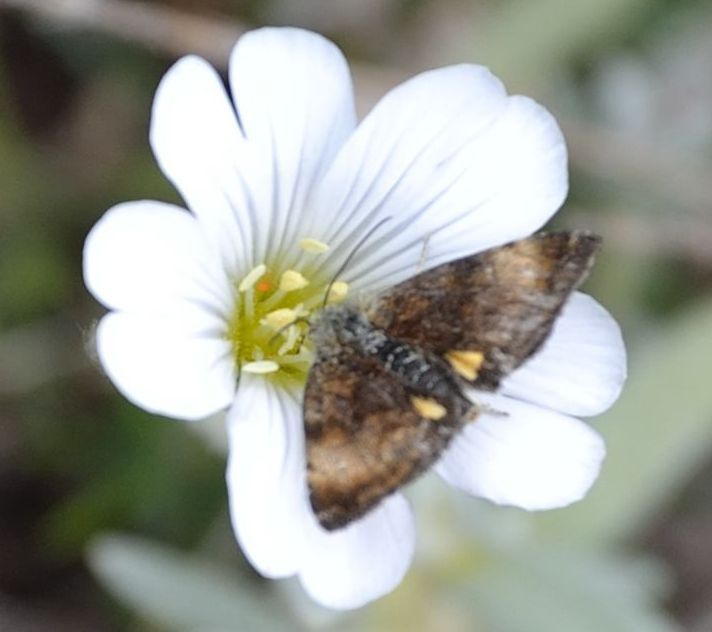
(263, 286)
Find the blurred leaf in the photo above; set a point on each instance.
(482, 567)
(571, 591)
(657, 435)
(34, 278)
(21, 177)
(133, 471)
(529, 41)
(182, 591)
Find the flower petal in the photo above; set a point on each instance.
(164, 366)
(457, 165)
(273, 519)
(293, 94)
(367, 559)
(523, 455)
(265, 475)
(146, 256)
(200, 148)
(582, 366)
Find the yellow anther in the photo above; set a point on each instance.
(338, 291)
(313, 245)
(261, 366)
(291, 280)
(280, 318)
(252, 277)
(429, 408)
(288, 344)
(466, 363)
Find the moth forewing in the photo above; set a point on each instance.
(488, 313)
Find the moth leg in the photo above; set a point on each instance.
(490, 410)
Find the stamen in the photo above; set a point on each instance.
(252, 277)
(292, 280)
(303, 357)
(313, 245)
(274, 299)
(280, 318)
(249, 303)
(288, 344)
(338, 292)
(261, 366)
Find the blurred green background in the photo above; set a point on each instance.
(111, 519)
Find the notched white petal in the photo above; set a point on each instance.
(347, 568)
(150, 257)
(581, 368)
(165, 366)
(293, 94)
(529, 457)
(265, 476)
(199, 147)
(457, 164)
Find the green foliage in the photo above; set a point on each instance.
(529, 41)
(181, 591)
(567, 590)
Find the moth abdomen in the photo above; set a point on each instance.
(419, 371)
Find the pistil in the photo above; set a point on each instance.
(271, 319)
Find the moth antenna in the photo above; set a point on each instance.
(348, 259)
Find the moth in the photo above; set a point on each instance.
(386, 393)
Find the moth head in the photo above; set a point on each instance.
(336, 326)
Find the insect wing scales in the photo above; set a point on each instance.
(501, 303)
(376, 416)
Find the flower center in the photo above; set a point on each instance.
(270, 322)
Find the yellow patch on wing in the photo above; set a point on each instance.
(466, 363)
(428, 408)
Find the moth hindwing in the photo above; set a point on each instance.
(385, 395)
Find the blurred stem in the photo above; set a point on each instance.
(686, 237)
(627, 158)
(154, 26)
(39, 353)
(594, 150)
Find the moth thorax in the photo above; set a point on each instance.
(339, 325)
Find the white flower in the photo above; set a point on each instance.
(281, 183)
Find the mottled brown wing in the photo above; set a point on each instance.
(488, 313)
(365, 437)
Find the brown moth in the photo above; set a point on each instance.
(385, 395)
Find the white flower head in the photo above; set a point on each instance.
(281, 184)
